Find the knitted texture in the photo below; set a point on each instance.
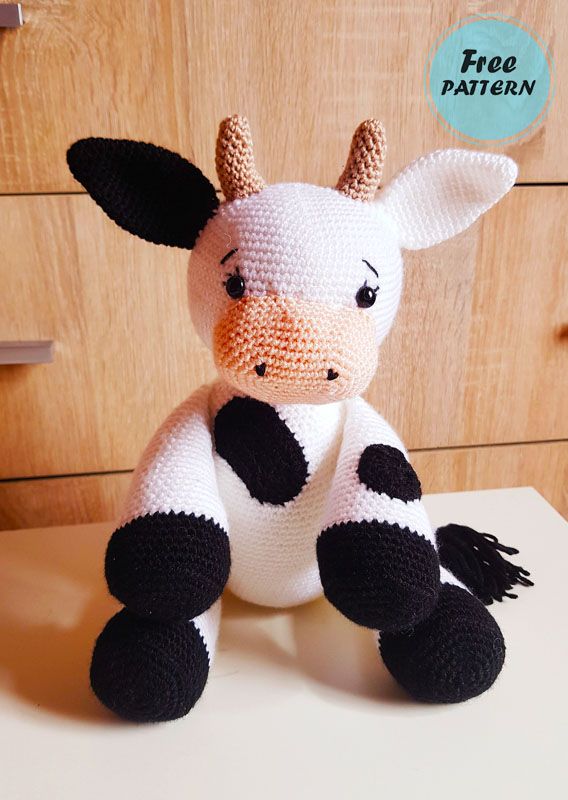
(297, 344)
(385, 470)
(168, 566)
(378, 575)
(361, 176)
(234, 159)
(176, 471)
(280, 471)
(147, 671)
(350, 498)
(455, 654)
(147, 190)
(261, 450)
(443, 193)
(295, 242)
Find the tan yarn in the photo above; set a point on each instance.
(234, 159)
(361, 176)
(297, 341)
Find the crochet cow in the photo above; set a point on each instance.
(279, 480)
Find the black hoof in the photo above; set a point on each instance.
(378, 575)
(149, 671)
(454, 655)
(168, 566)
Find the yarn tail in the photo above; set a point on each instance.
(475, 559)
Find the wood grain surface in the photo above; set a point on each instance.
(93, 498)
(304, 71)
(476, 356)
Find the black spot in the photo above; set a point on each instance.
(385, 469)
(455, 654)
(149, 671)
(332, 374)
(261, 449)
(168, 566)
(260, 369)
(379, 575)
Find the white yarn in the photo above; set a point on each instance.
(273, 548)
(308, 243)
(441, 194)
(297, 241)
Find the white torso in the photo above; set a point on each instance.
(273, 547)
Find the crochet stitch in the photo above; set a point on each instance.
(361, 176)
(278, 480)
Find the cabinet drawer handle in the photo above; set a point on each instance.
(26, 352)
(11, 15)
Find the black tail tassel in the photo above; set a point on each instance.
(475, 559)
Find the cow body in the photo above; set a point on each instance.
(273, 545)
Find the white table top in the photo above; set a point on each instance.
(298, 703)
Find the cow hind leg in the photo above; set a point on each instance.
(453, 655)
(458, 651)
(151, 671)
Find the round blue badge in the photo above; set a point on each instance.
(488, 79)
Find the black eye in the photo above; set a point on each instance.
(366, 296)
(235, 286)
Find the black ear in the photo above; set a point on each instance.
(147, 190)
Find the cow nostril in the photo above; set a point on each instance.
(332, 375)
(260, 369)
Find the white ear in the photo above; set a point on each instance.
(441, 194)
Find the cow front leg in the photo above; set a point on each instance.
(148, 671)
(168, 563)
(377, 560)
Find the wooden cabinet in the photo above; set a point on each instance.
(125, 351)
(474, 374)
(479, 353)
(83, 498)
(476, 357)
(304, 71)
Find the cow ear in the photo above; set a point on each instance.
(147, 190)
(441, 194)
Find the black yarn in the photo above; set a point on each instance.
(455, 654)
(378, 575)
(228, 255)
(383, 468)
(168, 566)
(149, 671)
(475, 559)
(147, 190)
(261, 449)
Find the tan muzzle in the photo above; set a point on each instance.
(282, 350)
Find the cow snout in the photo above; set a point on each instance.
(283, 350)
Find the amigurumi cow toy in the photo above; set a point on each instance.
(279, 480)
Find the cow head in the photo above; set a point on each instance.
(292, 286)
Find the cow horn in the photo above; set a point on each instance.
(361, 176)
(234, 159)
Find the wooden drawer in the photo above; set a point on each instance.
(125, 350)
(97, 498)
(304, 72)
(479, 352)
(476, 356)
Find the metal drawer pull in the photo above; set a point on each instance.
(11, 15)
(26, 352)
